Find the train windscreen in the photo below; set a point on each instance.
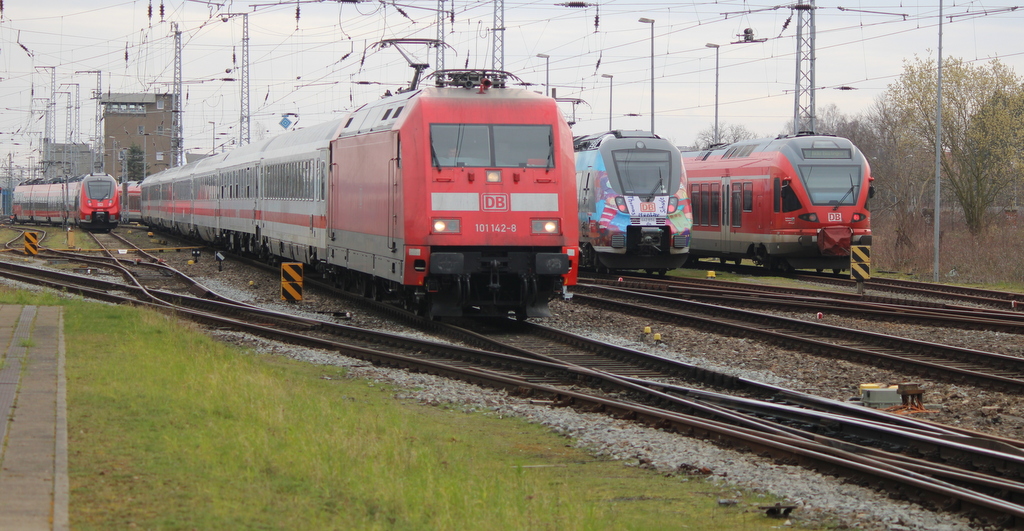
(832, 185)
(644, 171)
(99, 190)
(492, 145)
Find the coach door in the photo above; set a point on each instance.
(394, 199)
(725, 224)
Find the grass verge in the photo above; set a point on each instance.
(169, 429)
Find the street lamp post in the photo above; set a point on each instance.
(715, 46)
(651, 22)
(609, 76)
(547, 72)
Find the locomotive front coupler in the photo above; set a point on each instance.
(650, 237)
(495, 282)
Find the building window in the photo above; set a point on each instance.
(159, 155)
(160, 104)
(142, 129)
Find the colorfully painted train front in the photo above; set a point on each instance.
(633, 209)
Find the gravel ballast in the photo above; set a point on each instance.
(819, 499)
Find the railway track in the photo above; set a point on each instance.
(797, 299)
(922, 357)
(986, 297)
(979, 296)
(533, 361)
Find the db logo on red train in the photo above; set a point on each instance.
(496, 202)
(835, 216)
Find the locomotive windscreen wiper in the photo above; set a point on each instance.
(433, 156)
(841, 199)
(657, 186)
(551, 152)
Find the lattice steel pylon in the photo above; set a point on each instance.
(439, 52)
(176, 134)
(50, 128)
(803, 103)
(97, 141)
(244, 118)
(498, 61)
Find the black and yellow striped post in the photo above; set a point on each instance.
(291, 281)
(32, 243)
(860, 265)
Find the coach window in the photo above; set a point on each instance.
(790, 201)
(695, 200)
(748, 197)
(716, 205)
(308, 179)
(738, 193)
(705, 204)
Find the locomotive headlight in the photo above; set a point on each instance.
(545, 226)
(446, 226)
(859, 217)
(494, 176)
(673, 204)
(620, 203)
(812, 217)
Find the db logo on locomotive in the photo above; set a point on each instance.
(496, 202)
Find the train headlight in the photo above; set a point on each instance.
(620, 203)
(859, 217)
(494, 176)
(446, 226)
(545, 226)
(812, 217)
(673, 204)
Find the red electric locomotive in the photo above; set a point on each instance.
(454, 199)
(91, 202)
(792, 202)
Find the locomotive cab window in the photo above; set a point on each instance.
(99, 190)
(831, 185)
(644, 172)
(491, 145)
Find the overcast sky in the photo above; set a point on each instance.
(326, 62)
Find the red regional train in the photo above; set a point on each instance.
(454, 199)
(91, 202)
(792, 202)
(633, 209)
(131, 202)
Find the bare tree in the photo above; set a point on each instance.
(727, 134)
(981, 129)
